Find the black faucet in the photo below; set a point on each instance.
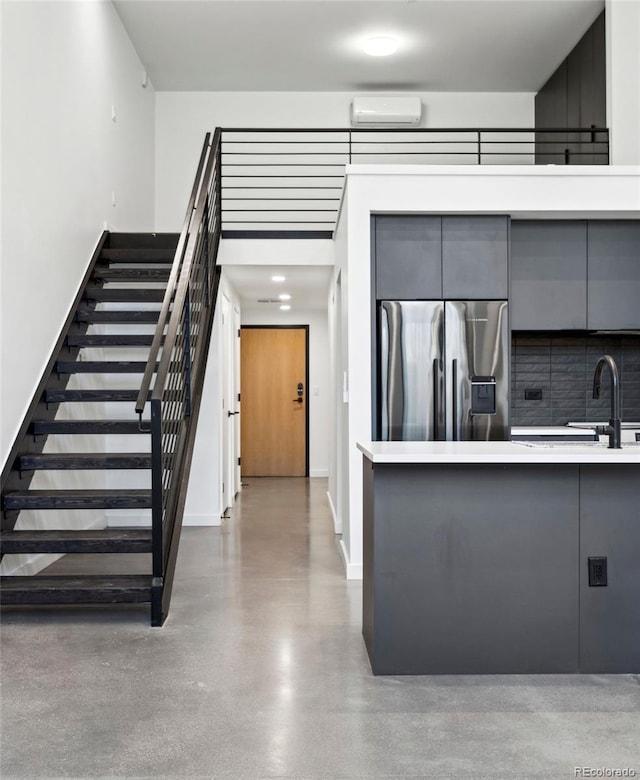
(613, 429)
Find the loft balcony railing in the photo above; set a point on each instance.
(289, 182)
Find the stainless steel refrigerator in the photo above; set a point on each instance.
(443, 370)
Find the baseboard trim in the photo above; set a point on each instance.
(352, 570)
(206, 521)
(316, 473)
(127, 521)
(337, 525)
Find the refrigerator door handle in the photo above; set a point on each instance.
(436, 399)
(454, 400)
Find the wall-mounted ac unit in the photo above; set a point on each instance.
(386, 112)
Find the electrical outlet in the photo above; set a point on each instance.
(533, 394)
(597, 572)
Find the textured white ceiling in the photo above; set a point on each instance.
(313, 45)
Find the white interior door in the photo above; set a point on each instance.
(227, 405)
(235, 395)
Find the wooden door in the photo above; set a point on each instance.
(273, 422)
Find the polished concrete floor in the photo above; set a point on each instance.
(261, 672)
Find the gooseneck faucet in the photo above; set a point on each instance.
(613, 429)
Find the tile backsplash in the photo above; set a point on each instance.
(558, 368)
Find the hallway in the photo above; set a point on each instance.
(261, 672)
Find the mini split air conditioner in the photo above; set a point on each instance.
(386, 112)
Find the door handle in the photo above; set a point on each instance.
(454, 398)
(297, 400)
(230, 414)
(436, 400)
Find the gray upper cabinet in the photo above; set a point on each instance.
(408, 257)
(548, 275)
(613, 275)
(475, 257)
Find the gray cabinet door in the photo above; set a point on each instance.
(613, 274)
(475, 252)
(466, 573)
(610, 615)
(408, 257)
(548, 275)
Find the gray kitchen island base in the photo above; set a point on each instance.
(483, 568)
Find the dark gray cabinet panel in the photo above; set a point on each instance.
(475, 253)
(548, 275)
(466, 573)
(613, 274)
(610, 616)
(575, 97)
(408, 257)
(551, 112)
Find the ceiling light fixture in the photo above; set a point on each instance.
(380, 46)
(285, 307)
(278, 278)
(284, 297)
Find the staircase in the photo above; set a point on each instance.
(104, 347)
(100, 466)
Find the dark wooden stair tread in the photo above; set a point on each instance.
(124, 294)
(85, 589)
(77, 499)
(62, 396)
(110, 340)
(100, 366)
(108, 540)
(139, 316)
(109, 274)
(85, 460)
(40, 427)
(137, 239)
(137, 255)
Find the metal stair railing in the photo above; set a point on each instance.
(184, 330)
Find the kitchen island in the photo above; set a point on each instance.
(501, 557)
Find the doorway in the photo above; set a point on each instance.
(274, 379)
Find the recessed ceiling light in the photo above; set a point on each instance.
(285, 307)
(284, 297)
(278, 278)
(380, 46)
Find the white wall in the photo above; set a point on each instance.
(183, 118)
(525, 191)
(623, 80)
(64, 65)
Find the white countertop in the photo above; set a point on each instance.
(534, 431)
(478, 452)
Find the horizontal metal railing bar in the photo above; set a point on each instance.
(273, 200)
(280, 165)
(277, 187)
(281, 222)
(353, 130)
(287, 176)
(283, 154)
